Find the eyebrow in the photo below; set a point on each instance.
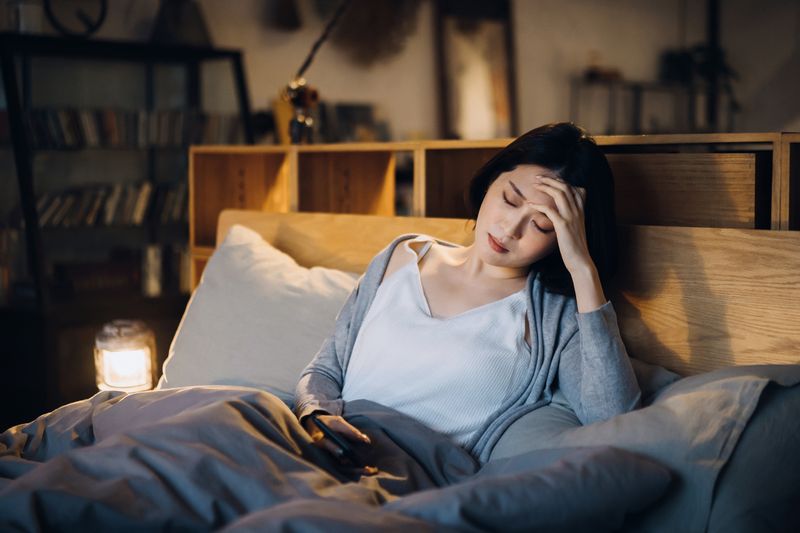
(517, 190)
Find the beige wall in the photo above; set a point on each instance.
(762, 40)
(402, 89)
(553, 39)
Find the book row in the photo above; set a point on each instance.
(115, 128)
(120, 204)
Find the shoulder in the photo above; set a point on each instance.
(400, 254)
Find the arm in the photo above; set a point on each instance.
(594, 372)
(320, 384)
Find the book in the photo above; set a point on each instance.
(67, 203)
(140, 208)
(78, 212)
(73, 122)
(109, 128)
(89, 127)
(131, 195)
(41, 203)
(100, 126)
(52, 206)
(142, 129)
(180, 202)
(112, 201)
(93, 214)
(168, 205)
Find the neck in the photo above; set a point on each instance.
(476, 270)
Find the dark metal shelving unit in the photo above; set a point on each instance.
(25, 47)
(44, 312)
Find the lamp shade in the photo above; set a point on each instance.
(124, 356)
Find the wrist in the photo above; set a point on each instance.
(584, 272)
(589, 293)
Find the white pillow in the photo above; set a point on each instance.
(256, 318)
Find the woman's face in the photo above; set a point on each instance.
(506, 216)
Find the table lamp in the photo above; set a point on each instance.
(124, 356)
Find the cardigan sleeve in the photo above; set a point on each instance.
(595, 373)
(321, 381)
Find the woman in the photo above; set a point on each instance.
(468, 339)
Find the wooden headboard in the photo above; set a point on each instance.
(689, 299)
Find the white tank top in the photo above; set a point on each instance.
(452, 374)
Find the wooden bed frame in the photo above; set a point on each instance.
(690, 299)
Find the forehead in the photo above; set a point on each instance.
(524, 177)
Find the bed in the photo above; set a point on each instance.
(708, 315)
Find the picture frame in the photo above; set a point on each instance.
(476, 73)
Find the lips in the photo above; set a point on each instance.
(496, 246)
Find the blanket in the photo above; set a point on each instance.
(234, 458)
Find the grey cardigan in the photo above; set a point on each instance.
(580, 353)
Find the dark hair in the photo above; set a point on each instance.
(572, 154)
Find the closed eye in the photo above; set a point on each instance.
(505, 199)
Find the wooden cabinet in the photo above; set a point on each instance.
(716, 180)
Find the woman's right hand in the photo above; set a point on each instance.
(343, 428)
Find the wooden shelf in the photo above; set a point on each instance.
(736, 180)
(124, 304)
(346, 181)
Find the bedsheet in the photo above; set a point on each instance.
(233, 458)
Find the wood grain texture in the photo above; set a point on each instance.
(343, 241)
(688, 138)
(447, 176)
(790, 180)
(198, 265)
(234, 180)
(712, 190)
(695, 299)
(347, 182)
(690, 299)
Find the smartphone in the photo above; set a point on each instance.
(340, 441)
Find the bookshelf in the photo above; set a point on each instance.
(98, 132)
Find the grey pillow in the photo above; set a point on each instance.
(691, 426)
(759, 488)
(589, 489)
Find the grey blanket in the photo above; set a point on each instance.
(208, 458)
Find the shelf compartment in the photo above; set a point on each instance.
(448, 172)
(708, 190)
(245, 179)
(347, 182)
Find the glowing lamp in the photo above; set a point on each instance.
(124, 356)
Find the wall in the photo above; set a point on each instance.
(402, 88)
(762, 40)
(553, 39)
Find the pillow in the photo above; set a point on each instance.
(256, 318)
(692, 426)
(587, 489)
(759, 488)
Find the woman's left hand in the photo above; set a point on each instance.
(568, 221)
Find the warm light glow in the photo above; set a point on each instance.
(125, 370)
(124, 356)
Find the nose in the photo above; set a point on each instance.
(514, 223)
